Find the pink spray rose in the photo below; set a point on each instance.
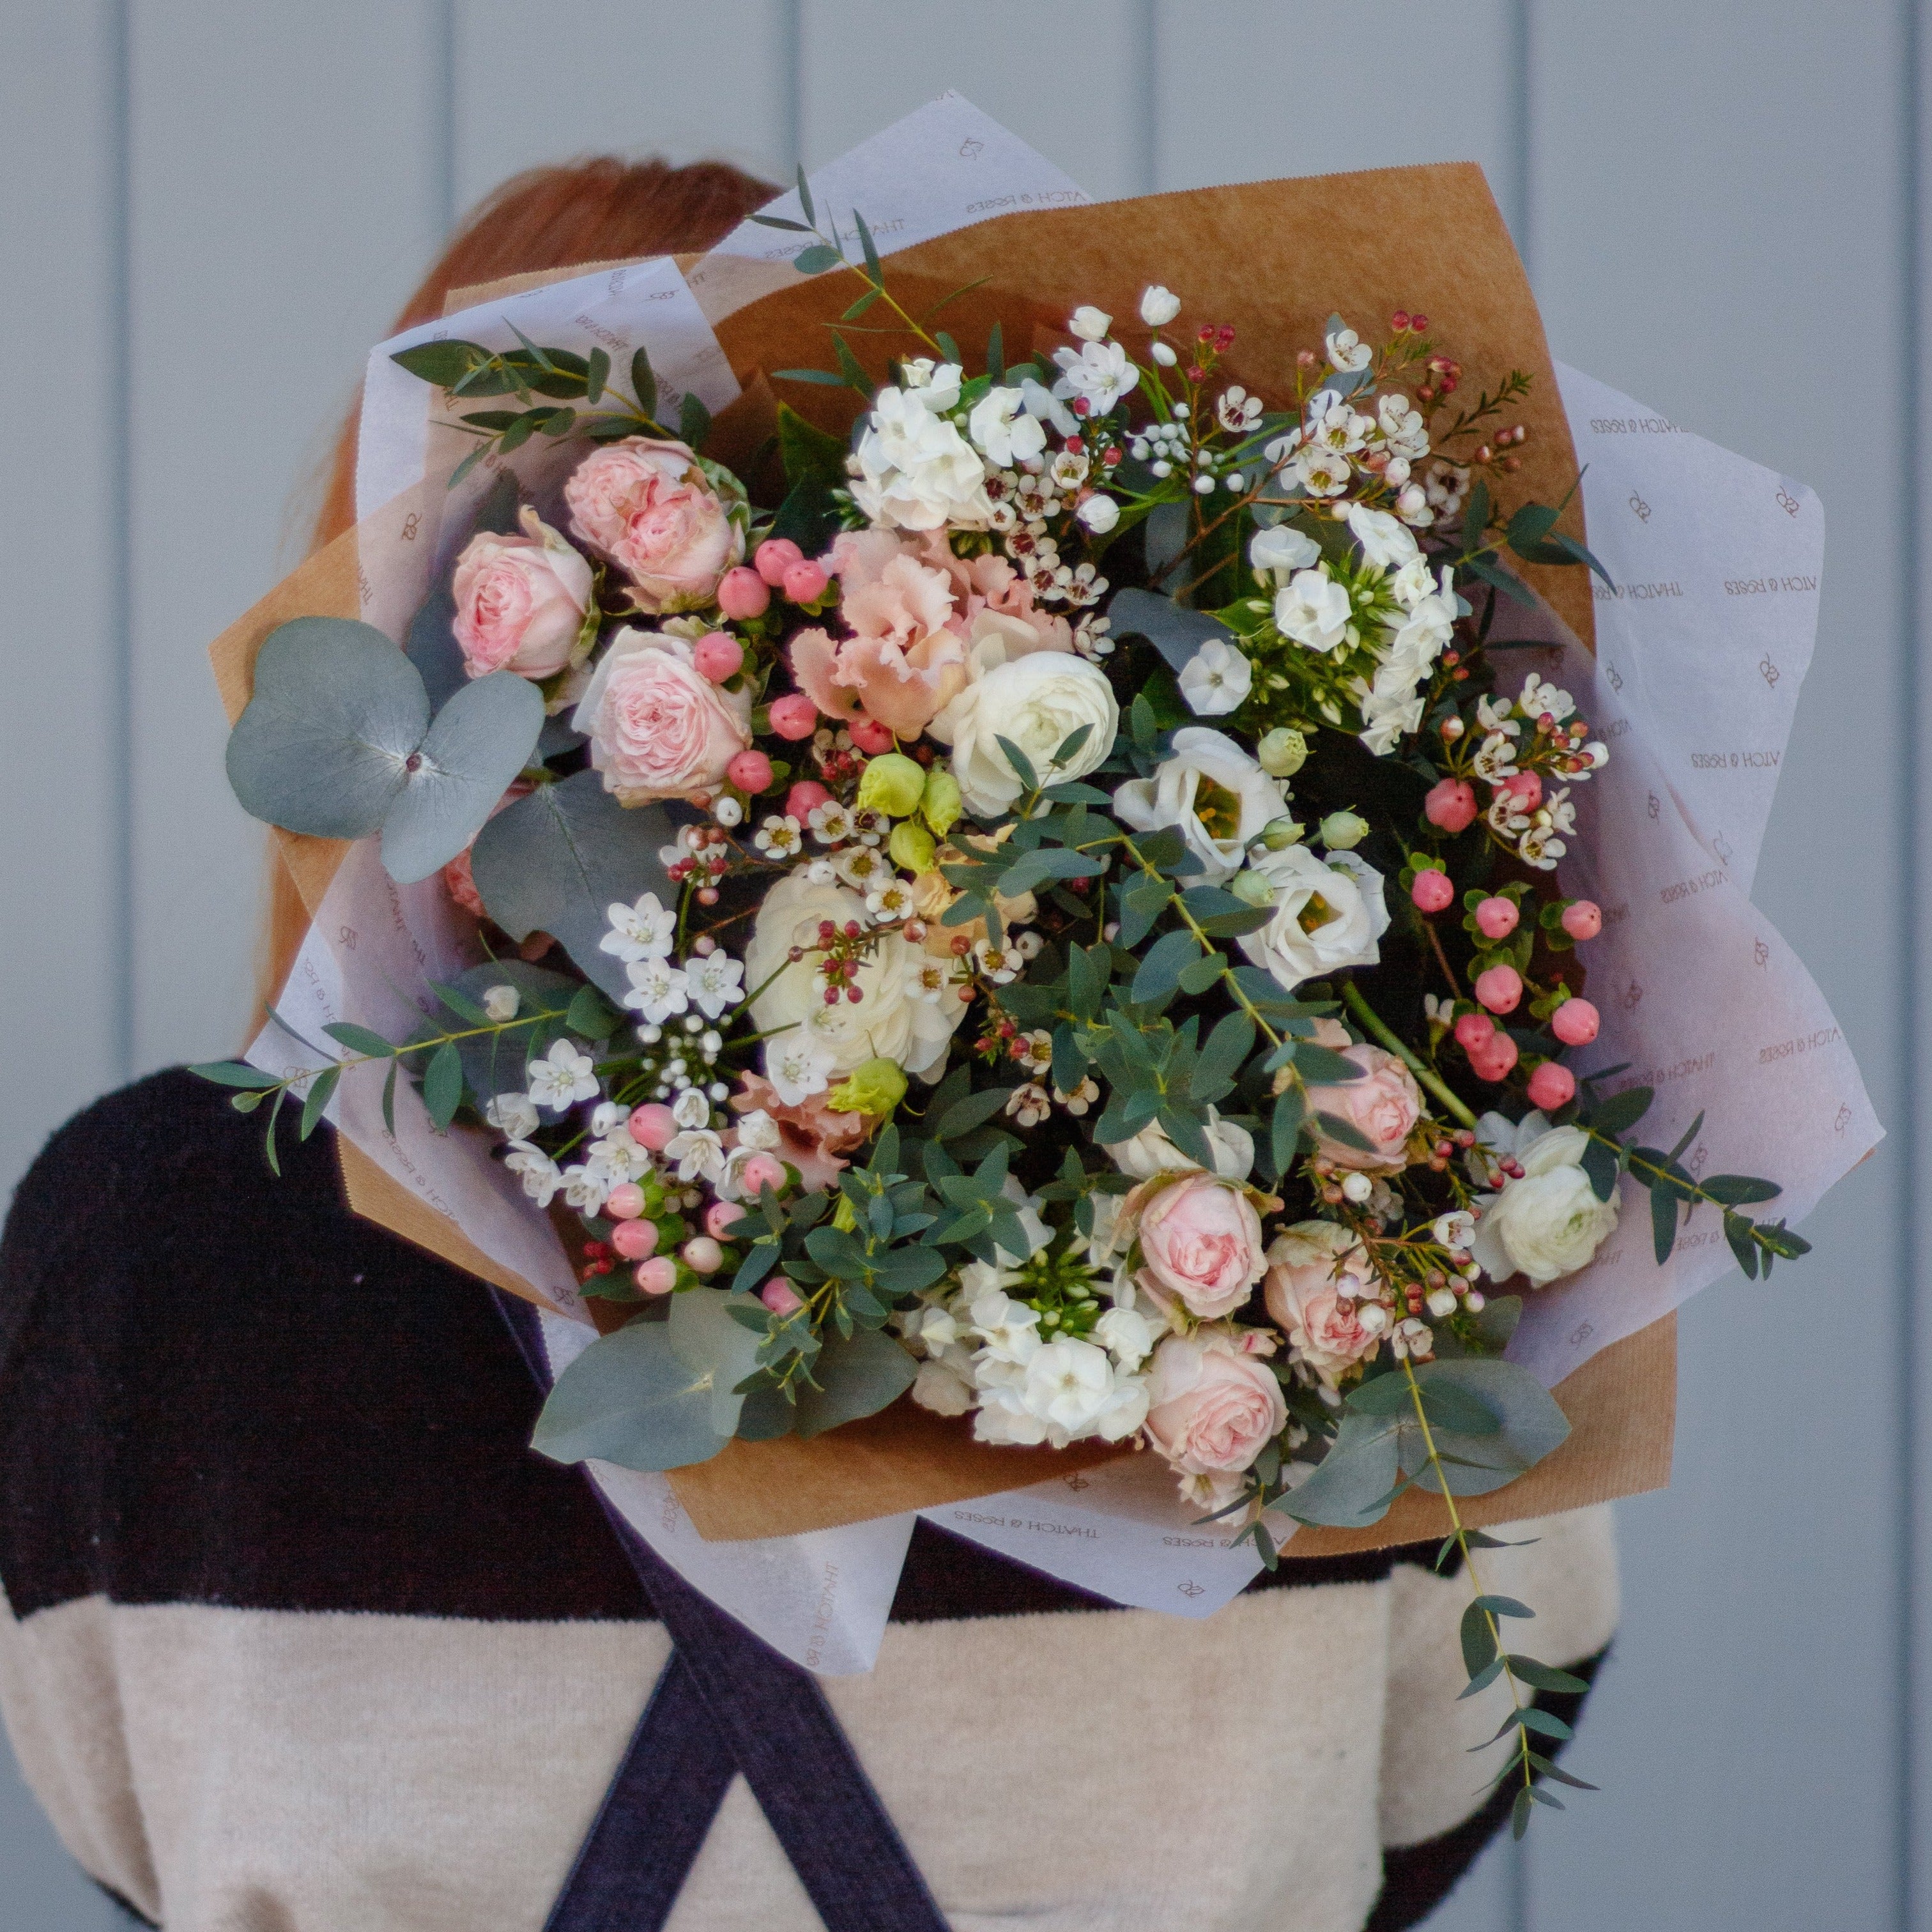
(1318, 1278)
(1212, 1407)
(657, 728)
(652, 510)
(519, 601)
(1383, 1107)
(1201, 1242)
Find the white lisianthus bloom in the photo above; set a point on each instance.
(1312, 609)
(1099, 371)
(1549, 1223)
(1428, 628)
(1151, 1152)
(1089, 323)
(699, 1154)
(1158, 305)
(563, 1077)
(1384, 539)
(513, 1115)
(1213, 791)
(1043, 403)
(1010, 1329)
(886, 1022)
(1387, 719)
(1216, 680)
(1282, 550)
(1003, 431)
(1036, 701)
(1326, 915)
(1347, 351)
(914, 470)
(1100, 513)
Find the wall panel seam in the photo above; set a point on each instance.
(117, 134)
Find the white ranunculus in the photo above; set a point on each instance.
(1284, 549)
(1384, 539)
(1036, 701)
(1216, 680)
(1312, 609)
(1158, 305)
(886, 1023)
(1213, 791)
(1151, 1152)
(915, 471)
(1005, 433)
(1550, 1223)
(1305, 940)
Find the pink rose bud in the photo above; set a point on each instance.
(780, 1297)
(1450, 805)
(804, 581)
(652, 1126)
(1525, 788)
(1575, 1022)
(775, 557)
(1551, 1087)
(1494, 1058)
(702, 1254)
(801, 801)
(1495, 919)
(1499, 989)
(1433, 892)
(870, 735)
(794, 716)
(718, 656)
(1474, 1031)
(743, 593)
(658, 1276)
(760, 1171)
(1584, 919)
(721, 1217)
(635, 1240)
(625, 1202)
(750, 772)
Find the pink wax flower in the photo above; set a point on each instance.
(1575, 1022)
(1552, 1086)
(649, 506)
(658, 1276)
(1583, 918)
(1433, 892)
(804, 581)
(1496, 918)
(1200, 1241)
(774, 557)
(1450, 805)
(1500, 988)
(743, 594)
(1383, 1107)
(750, 772)
(718, 656)
(1491, 1059)
(519, 601)
(794, 716)
(657, 729)
(635, 1240)
(652, 1126)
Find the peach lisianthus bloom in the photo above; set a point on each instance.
(813, 1136)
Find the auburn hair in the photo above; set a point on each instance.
(601, 210)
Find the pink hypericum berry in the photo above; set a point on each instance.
(1575, 1022)
(652, 1126)
(750, 772)
(721, 1217)
(1552, 1086)
(1451, 804)
(1525, 788)
(794, 715)
(658, 1276)
(743, 593)
(775, 557)
(1433, 892)
(804, 799)
(1584, 919)
(804, 581)
(702, 1254)
(718, 656)
(1495, 919)
(760, 1171)
(635, 1240)
(1473, 1030)
(870, 735)
(1494, 1058)
(780, 1297)
(624, 1202)
(1500, 988)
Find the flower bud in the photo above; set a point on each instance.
(750, 771)
(1496, 918)
(1432, 891)
(1279, 834)
(774, 557)
(1162, 353)
(780, 1297)
(794, 716)
(940, 805)
(911, 847)
(1575, 1022)
(1583, 918)
(870, 735)
(892, 783)
(1251, 889)
(1552, 1086)
(1100, 513)
(1283, 752)
(1450, 805)
(742, 593)
(1442, 1304)
(1090, 324)
(876, 1087)
(1500, 988)
(1342, 831)
(1158, 305)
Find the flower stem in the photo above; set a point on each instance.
(1351, 995)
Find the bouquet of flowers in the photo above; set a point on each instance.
(1045, 906)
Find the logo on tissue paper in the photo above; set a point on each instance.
(1760, 953)
(1634, 593)
(411, 524)
(1842, 1118)
(1632, 993)
(346, 935)
(1616, 677)
(1787, 502)
(1768, 670)
(1642, 508)
(1656, 805)
(1191, 1589)
(970, 149)
(1722, 847)
(1805, 1042)
(821, 1616)
(1077, 1482)
(1580, 1335)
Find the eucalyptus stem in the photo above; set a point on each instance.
(1352, 997)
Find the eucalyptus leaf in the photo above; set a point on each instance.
(1176, 633)
(856, 1377)
(497, 1062)
(708, 1342)
(630, 1400)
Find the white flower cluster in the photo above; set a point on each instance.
(1538, 823)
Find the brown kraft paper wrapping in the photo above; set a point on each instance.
(1428, 239)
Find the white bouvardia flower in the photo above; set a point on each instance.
(565, 1076)
(645, 931)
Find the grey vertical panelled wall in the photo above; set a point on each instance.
(213, 206)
